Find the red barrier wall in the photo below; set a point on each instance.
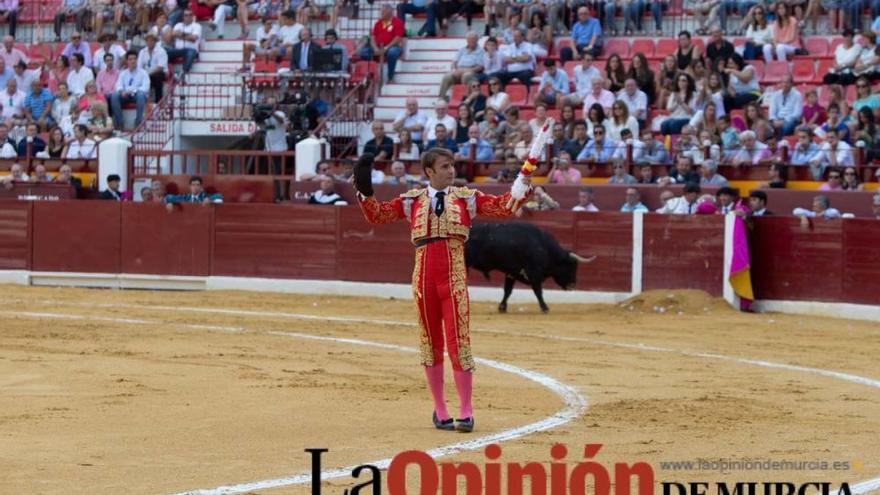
(683, 252)
(156, 241)
(15, 235)
(77, 236)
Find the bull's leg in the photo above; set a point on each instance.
(508, 288)
(539, 293)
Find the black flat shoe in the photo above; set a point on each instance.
(465, 425)
(446, 424)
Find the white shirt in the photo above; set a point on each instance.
(263, 35)
(118, 53)
(419, 118)
(79, 151)
(289, 35)
(786, 106)
(524, 48)
(844, 56)
(133, 81)
(12, 104)
(431, 126)
(76, 81)
(188, 29)
(150, 61)
(583, 80)
(678, 206)
(432, 193)
(612, 129)
(637, 103)
(276, 137)
(844, 154)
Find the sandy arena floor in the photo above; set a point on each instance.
(109, 392)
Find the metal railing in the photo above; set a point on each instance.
(142, 163)
(341, 126)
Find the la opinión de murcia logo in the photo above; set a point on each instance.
(566, 477)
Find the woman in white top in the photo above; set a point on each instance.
(743, 86)
(539, 119)
(680, 105)
(63, 103)
(620, 119)
(846, 56)
(758, 34)
(406, 148)
(497, 99)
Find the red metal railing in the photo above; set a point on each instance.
(341, 126)
(145, 163)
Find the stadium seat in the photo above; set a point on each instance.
(360, 70)
(458, 93)
(834, 43)
(851, 93)
(802, 71)
(774, 71)
(664, 47)
(517, 94)
(816, 47)
(561, 43)
(569, 69)
(618, 46)
(824, 67)
(643, 46)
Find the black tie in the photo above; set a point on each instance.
(440, 206)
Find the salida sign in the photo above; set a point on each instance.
(232, 127)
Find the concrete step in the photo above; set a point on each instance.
(385, 113)
(424, 67)
(431, 44)
(430, 55)
(220, 56)
(395, 89)
(400, 101)
(419, 77)
(223, 45)
(226, 67)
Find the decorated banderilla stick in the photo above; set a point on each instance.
(520, 187)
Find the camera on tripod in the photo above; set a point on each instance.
(262, 113)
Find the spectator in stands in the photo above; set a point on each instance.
(868, 133)
(11, 55)
(686, 52)
(683, 173)
(805, 150)
(813, 114)
(755, 121)
(687, 145)
(412, 119)
(786, 106)
(584, 74)
(462, 124)
(153, 59)
(758, 33)
(553, 88)
(718, 48)
(475, 100)
(743, 85)
(133, 86)
(652, 152)
(619, 120)
(497, 99)
(197, 194)
(467, 64)
(331, 42)
(57, 145)
(539, 34)
(38, 106)
(482, 151)
(834, 121)
(726, 199)
(81, 147)
(57, 73)
(835, 181)
(519, 59)
(579, 139)
(65, 177)
(646, 175)
(105, 84)
(751, 152)
(146, 194)
(557, 139)
(112, 192)
(324, 167)
(224, 8)
(77, 46)
(786, 35)
(680, 106)
(776, 176)
(108, 46)
(524, 144)
(635, 99)
(288, 34)
(619, 173)
(381, 146)
(567, 120)
(494, 131)
(832, 153)
(441, 139)
(62, 104)
(13, 104)
(16, 174)
(633, 201)
(586, 34)
(187, 37)
(562, 172)
(599, 95)
(865, 98)
(400, 177)
(429, 28)
(600, 149)
(303, 53)
(406, 148)
(851, 180)
(540, 201)
(9, 13)
(615, 73)
(23, 76)
(514, 23)
(821, 208)
(493, 62)
(537, 122)
(326, 194)
(846, 56)
(40, 175)
(78, 9)
(686, 204)
(758, 204)
(266, 45)
(706, 14)
(157, 191)
(99, 124)
(585, 201)
(710, 175)
(387, 39)
(79, 75)
(441, 116)
(31, 144)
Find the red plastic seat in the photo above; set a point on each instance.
(561, 43)
(802, 71)
(816, 47)
(664, 47)
(774, 71)
(759, 68)
(823, 68)
(569, 68)
(616, 46)
(643, 46)
(458, 93)
(517, 94)
(834, 43)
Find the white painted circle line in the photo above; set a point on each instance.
(575, 403)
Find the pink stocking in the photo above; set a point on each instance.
(435, 384)
(464, 384)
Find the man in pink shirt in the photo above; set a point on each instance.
(10, 53)
(107, 77)
(834, 181)
(599, 95)
(563, 172)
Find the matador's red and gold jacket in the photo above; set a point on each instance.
(461, 206)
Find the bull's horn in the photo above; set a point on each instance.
(581, 259)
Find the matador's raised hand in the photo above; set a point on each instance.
(363, 174)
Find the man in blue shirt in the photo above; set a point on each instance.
(553, 87)
(38, 105)
(442, 140)
(196, 194)
(484, 151)
(633, 201)
(599, 149)
(133, 85)
(587, 34)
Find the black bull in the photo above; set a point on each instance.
(524, 253)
